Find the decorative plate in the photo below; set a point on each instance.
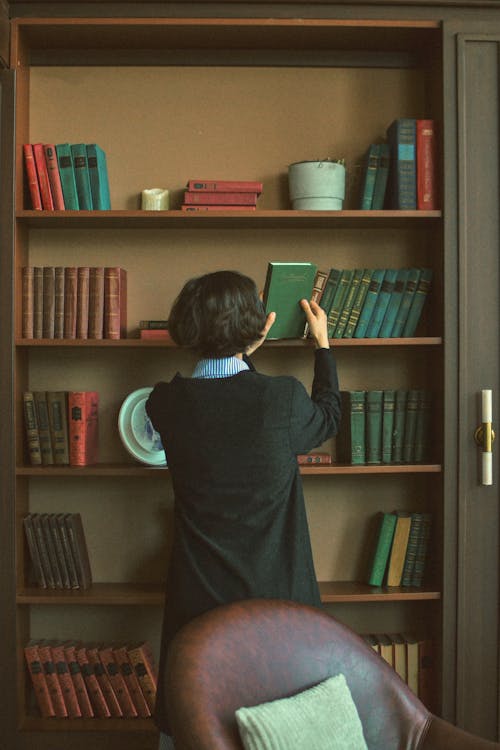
(136, 431)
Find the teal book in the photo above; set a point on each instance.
(399, 425)
(402, 139)
(394, 303)
(422, 551)
(99, 179)
(67, 175)
(369, 303)
(350, 440)
(411, 549)
(417, 303)
(381, 304)
(286, 284)
(82, 178)
(374, 403)
(423, 428)
(348, 303)
(387, 424)
(404, 307)
(330, 288)
(414, 396)
(380, 188)
(382, 548)
(339, 299)
(358, 303)
(370, 174)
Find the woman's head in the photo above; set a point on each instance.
(218, 314)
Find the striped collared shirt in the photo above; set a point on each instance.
(222, 367)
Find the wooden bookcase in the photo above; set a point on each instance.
(170, 99)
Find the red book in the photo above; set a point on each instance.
(96, 302)
(141, 658)
(103, 680)
(49, 670)
(115, 303)
(75, 671)
(130, 677)
(221, 199)
(32, 177)
(54, 176)
(117, 681)
(83, 427)
(225, 186)
(426, 165)
(38, 302)
(155, 333)
(82, 302)
(59, 273)
(94, 689)
(215, 207)
(314, 458)
(64, 677)
(38, 679)
(70, 301)
(43, 177)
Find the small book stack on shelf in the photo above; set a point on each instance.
(391, 426)
(401, 173)
(221, 195)
(75, 680)
(58, 550)
(67, 176)
(400, 549)
(74, 302)
(61, 427)
(154, 329)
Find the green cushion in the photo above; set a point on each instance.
(323, 717)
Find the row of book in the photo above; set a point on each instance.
(75, 680)
(70, 302)
(385, 426)
(67, 176)
(401, 172)
(61, 427)
(58, 550)
(221, 195)
(400, 549)
(411, 657)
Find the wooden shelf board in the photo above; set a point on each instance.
(127, 594)
(159, 343)
(279, 219)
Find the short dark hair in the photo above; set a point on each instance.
(218, 314)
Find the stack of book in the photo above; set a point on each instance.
(92, 680)
(385, 426)
(154, 329)
(67, 176)
(61, 427)
(58, 550)
(70, 302)
(401, 173)
(400, 549)
(221, 195)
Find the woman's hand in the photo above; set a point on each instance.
(318, 323)
(269, 321)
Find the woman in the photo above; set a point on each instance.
(232, 436)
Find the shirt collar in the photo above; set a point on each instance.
(220, 367)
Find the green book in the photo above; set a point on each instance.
(382, 548)
(67, 174)
(423, 428)
(422, 551)
(380, 187)
(286, 284)
(329, 291)
(410, 426)
(399, 425)
(369, 303)
(348, 303)
(387, 424)
(371, 167)
(417, 303)
(350, 440)
(339, 299)
(381, 303)
(82, 178)
(402, 135)
(404, 307)
(99, 180)
(411, 549)
(358, 303)
(42, 413)
(374, 401)
(394, 303)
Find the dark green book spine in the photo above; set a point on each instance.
(330, 288)
(404, 307)
(423, 428)
(338, 300)
(410, 426)
(381, 304)
(82, 178)
(411, 549)
(402, 134)
(417, 303)
(358, 303)
(394, 303)
(67, 174)
(379, 190)
(369, 303)
(387, 524)
(349, 301)
(399, 425)
(387, 424)
(374, 401)
(371, 167)
(350, 440)
(422, 551)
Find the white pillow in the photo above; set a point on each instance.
(323, 717)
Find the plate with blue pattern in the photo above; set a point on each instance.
(136, 431)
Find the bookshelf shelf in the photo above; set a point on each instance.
(131, 343)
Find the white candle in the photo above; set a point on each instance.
(487, 468)
(154, 199)
(486, 406)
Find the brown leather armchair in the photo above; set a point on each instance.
(249, 652)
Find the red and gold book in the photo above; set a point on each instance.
(83, 409)
(208, 198)
(121, 657)
(70, 301)
(32, 177)
(314, 458)
(200, 209)
(64, 677)
(94, 689)
(426, 165)
(82, 302)
(141, 658)
(103, 680)
(54, 176)
(49, 670)
(115, 303)
(155, 333)
(43, 177)
(75, 671)
(225, 186)
(38, 679)
(117, 681)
